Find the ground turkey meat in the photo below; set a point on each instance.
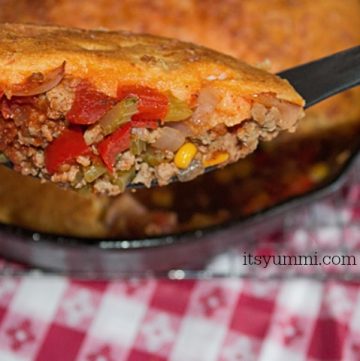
(126, 161)
(248, 134)
(105, 187)
(106, 152)
(164, 172)
(26, 130)
(60, 99)
(228, 143)
(144, 175)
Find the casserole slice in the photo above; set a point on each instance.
(98, 110)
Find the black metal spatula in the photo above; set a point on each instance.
(325, 77)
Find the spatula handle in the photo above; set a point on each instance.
(325, 77)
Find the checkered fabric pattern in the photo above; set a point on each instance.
(53, 318)
(57, 319)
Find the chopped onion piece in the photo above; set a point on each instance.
(169, 139)
(207, 102)
(183, 128)
(290, 113)
(38, 83)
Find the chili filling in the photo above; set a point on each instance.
(65, 130)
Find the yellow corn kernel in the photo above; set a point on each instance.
(215, 159)
(185, 155)
(318, 172)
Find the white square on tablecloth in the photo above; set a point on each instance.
(272, 351)
(198, 340)
(10, 356)
(355, 319)
(295, 293)
(118, 319)
(39, 297)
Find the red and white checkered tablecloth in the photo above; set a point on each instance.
(54, 318)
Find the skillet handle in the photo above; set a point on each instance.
(325, 77)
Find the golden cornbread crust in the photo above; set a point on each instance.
(26, 202)
(108, 59)
(281, 33)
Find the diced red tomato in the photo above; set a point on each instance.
(114, 144)
(152, 104)
(142, 123)
(65, 149)
(89, 105)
